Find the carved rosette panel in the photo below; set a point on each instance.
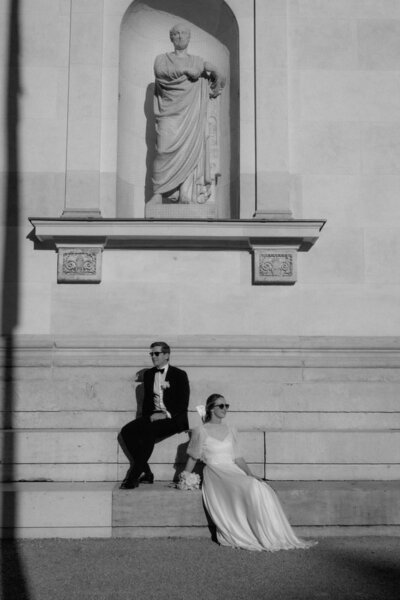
(79, 265)
(275, 266)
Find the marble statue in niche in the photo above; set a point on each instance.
(186, 164)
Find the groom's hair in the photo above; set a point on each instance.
(164, 347)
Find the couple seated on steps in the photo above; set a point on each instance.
(244, 508)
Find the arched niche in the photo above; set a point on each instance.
(145, 34)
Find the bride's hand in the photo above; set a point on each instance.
(258, 478)
(157, 417)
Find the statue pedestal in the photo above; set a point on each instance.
(181, 211)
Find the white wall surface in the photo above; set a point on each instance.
(329, 124)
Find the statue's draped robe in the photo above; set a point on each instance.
(180, 109)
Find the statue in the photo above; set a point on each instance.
(184, 87)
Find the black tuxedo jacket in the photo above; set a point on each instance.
(175, 398)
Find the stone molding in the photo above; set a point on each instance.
(216, 351)
(186, 234)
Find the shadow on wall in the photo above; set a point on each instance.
(150, 140)
(12, 575)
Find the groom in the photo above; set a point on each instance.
(166, 400)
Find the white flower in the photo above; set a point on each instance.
(165, 385)
(201, 409)
(188, 481)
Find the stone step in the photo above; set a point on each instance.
(258, 390)
(307, 505)
(103, 510)
(70, 472)
(70, 510)
(247, 420)
(94, 454)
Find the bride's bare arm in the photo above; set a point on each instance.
(242, 464)
(190, 464)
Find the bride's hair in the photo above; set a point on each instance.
(210, 403)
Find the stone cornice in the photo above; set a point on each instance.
(215, 351)
(169, 233)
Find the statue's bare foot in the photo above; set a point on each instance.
(173, 197)
(156, 199)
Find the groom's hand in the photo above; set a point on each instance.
(157, 417)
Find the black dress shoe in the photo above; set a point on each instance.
(129, 484)
(146, 478)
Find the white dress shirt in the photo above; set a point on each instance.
(158, 392)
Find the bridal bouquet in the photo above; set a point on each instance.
(188, 481)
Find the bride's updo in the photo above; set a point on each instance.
(210, 403)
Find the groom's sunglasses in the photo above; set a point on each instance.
(221, 406)
(155, 353)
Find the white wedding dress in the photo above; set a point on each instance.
(245, 511)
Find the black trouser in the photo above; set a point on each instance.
(139, 437)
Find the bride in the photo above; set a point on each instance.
(244, 509)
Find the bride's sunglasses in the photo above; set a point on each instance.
(221, 406)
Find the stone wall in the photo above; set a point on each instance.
(319, 137)
(309, 409)
(324, 125)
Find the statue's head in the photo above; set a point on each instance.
(179, 35)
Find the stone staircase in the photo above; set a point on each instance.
(94, 454)
(101, 509)
(318, 418)
(77, 494)
(313, 508)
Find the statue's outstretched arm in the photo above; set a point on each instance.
(217, 79)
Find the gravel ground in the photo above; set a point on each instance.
(119, 569)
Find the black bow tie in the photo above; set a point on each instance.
(160, 370)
